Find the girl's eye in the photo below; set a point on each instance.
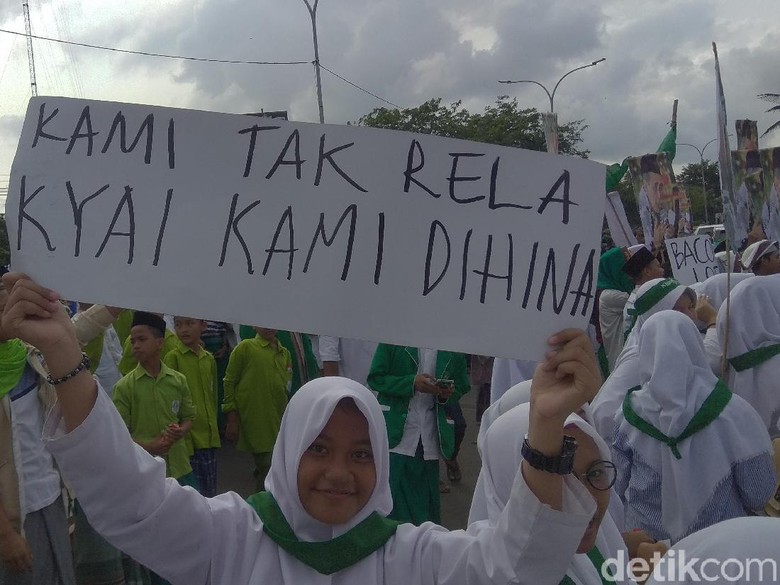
(364, 455)
(316, 448)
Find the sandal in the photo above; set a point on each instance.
(453, 470)
(443, 487)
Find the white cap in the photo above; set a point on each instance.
(754, 252)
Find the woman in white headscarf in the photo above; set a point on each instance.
(655, 295)
(753, 348)
(689, 453)
(592, 466)
(740, 551)
(516, 395)
(322, 518)
(713, 292)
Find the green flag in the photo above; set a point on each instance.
(669, 143)
(615, 172)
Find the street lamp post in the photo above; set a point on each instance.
(551, 95)
(701, 167)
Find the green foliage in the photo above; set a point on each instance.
(502, 123)
(690, 176)
(5, 249)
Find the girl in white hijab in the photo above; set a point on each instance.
(655, 295)
(740, 551)
(714, 291)
(689, 453)
(753, 349)
(592, 466)
(322, 519)
(516, 395)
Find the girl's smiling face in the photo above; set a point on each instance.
(336, 474)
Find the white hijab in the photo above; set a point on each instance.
(304, 418)
(626, 373)
(755, 323)
(716, 287)
(740, 539)
(501, 459)
(676, 379)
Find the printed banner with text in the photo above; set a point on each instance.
(341, 230)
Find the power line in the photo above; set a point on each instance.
(200, 59)
(148, 54)
(358, 87)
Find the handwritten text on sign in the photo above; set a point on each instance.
(692, 258)
(340, 230)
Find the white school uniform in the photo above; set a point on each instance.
(754, 322)
(625, 375)
(192, 540)
(724, 469)
(501, 456)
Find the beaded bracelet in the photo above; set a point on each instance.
(83, 365)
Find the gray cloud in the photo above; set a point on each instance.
(412, 50)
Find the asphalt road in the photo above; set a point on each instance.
(234, 471)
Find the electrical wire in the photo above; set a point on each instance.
(148, 54)
(355, 85)
(202, 59)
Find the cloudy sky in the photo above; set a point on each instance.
(408, 51)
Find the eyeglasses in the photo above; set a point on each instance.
(601, 475)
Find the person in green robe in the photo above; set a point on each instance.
(257, 381)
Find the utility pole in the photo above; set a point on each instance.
(313, 15)
(30, 56)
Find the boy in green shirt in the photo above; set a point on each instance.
(154, 400)
(199, 367)
(128, 361)
(257, 380)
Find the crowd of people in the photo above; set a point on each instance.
(651, 429)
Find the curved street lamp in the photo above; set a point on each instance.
(551, 95)
(701, 168)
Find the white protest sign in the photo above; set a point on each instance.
(619, 228)
(340, 230)
(692, 258)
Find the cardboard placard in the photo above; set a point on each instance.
(339, 230)
(692, 258)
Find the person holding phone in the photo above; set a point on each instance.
(414, 386)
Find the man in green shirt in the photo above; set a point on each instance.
(154, 400)
(199, 367)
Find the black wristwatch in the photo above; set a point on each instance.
(561, 464)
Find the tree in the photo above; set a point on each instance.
(5, 249)
(690, 176)
(773, 98)
(503, 123)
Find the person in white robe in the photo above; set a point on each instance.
(740, 551)
(689, 453)
(327, 528)
(655, 295)
(507, 373)
(592, 466)
(714, 291)
(753, 346)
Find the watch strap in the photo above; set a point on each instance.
(562, 464)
